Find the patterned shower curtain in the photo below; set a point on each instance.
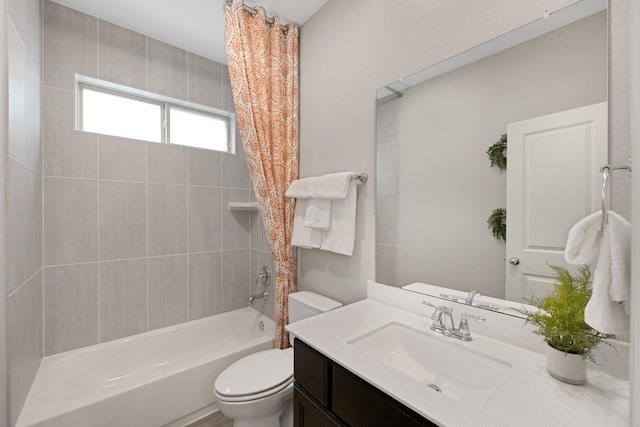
(263, 66)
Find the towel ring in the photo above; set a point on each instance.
(606, 173)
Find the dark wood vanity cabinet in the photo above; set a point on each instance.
(326, 394)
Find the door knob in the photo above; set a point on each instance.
(514, 260)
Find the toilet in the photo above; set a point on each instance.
(255, 390)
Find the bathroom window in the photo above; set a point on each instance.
(111, 109)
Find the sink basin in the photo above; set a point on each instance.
(436, 362)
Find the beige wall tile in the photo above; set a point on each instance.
(33, 222)
(123, 298)
(166, 69)
(167, 163)
(33, 33)
(205, 81)
(70, 221)
(70, 44)
(24, 334)
(236, 225)
(67, 152)
(386, 211)
(123, 220)
(235, 173)
(16, 93)
(205, 284)
(167, 219)
(33, 114)
(205, 167)
(205, 222)
(70, 307)
(235, 279)
(122, 159)
(167, 291)
(17, 196)
(122, 55)
(386, 264)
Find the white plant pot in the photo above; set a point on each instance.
(566, 367)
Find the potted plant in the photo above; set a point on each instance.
(560, 321)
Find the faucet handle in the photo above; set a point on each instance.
(437, 311)
(464, 316)
(463, 332)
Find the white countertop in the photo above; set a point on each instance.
(528, 396)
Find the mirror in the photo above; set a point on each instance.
(435, 186)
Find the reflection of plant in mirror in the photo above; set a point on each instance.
(497, 224)
(496, 153)
(560, 320)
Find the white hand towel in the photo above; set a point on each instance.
(583, 240)
(303, 236)
(620, 242)
(340, 236)
(318, 213)
(601, 313)
(330, 186)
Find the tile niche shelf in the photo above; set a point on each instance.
(243, 206)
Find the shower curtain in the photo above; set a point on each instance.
(263, 66)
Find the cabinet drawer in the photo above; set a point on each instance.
(311, 370)
(307, 413)
(358, 403)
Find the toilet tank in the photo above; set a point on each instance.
(305, 304)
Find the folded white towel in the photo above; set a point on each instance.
(303, 236)
(620, 241)
(584, 240)
(330, 186)
(340, 237)
(318, 213)
(601, 313)
(605, 310)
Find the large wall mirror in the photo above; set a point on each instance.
(435, 186)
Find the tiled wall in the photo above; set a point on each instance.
(386, 189)
(23, 198)
(137, 235)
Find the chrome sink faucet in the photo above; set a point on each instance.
(443, 322)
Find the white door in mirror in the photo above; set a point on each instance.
(553, 181)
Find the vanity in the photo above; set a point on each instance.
(377, 362)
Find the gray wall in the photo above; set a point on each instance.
(340, 71)
(23, 198)
(137, 235)
(445, 125)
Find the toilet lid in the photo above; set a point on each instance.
(256, 373)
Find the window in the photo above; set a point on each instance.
(111, 109)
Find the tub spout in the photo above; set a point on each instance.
(261, 295)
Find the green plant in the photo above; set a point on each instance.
(497, 224)
(560, 318)
(496, 153)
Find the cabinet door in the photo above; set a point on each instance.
(308, 414)
(360, 404)
(311, 371)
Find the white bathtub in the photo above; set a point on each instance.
(151, 379)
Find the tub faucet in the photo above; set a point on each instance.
(261, 295)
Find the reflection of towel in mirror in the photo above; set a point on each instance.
(605, 310)
(584, 240)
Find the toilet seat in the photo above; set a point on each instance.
(256, 376)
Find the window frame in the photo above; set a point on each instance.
(165, 103)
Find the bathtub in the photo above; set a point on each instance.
(157, 378)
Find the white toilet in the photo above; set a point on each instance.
(256, 389)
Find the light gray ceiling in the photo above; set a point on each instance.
(193, 25)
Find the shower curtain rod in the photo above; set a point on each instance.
(254, 12)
